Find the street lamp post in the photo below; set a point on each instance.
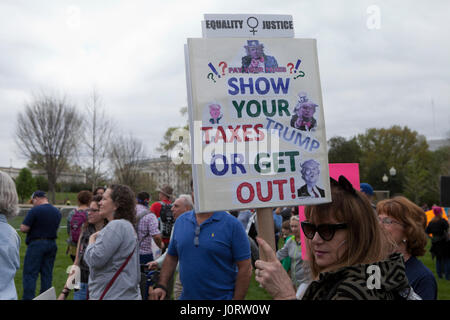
(392, 173)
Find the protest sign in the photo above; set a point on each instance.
(247, 26)
(351, 172)
(256, 122)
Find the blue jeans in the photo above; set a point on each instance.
(81, 294)
(39, 258)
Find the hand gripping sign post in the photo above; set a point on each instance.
(256, 118)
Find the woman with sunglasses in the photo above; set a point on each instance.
(349, 254)
(405, 222)
(94, 224)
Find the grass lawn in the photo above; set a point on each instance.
(254, 293)
(61, 197)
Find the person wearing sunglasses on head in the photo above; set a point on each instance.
(349, 254)
(94, 223)
(405, 222)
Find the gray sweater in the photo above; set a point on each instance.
(113, 245)
(300, 270)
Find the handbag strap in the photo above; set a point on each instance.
(110, 283)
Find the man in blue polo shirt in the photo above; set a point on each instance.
(213, 252)
(41, 225)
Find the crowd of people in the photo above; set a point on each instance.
(123, 248)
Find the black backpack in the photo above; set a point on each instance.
(167, 219)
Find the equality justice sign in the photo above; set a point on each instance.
(256, 123)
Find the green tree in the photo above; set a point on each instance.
(417, 181)
(25, 184)
(396, 147)
(41, 183)
(437, 165)
(342, 150)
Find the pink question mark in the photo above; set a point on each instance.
(292, 66)
(224, 64)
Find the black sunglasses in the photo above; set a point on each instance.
(326, 231)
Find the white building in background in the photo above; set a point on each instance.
(64, 176)
(435, 144)
(163, 171)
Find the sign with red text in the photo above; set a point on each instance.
(256, 123)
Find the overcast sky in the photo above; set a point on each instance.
(132, 52)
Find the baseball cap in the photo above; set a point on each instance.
(38, 194)
(366, 188)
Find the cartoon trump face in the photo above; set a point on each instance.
(214, 111)
(310, 172)
(303, 117)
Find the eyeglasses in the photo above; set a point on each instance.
(326, 231)
(197, 233)
(93, 210)
(387, 220)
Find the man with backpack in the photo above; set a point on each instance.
(75, 221)
(163, 210)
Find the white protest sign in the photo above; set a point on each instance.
(247, 25)
(256, 123)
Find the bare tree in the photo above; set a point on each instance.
(126, 155)
(48, 132)
(97, 137)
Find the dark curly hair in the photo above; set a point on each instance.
(125, 200)
(84, 197)
(414, 219)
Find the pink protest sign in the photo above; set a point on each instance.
(351, 172)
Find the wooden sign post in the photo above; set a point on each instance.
(266, 228)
